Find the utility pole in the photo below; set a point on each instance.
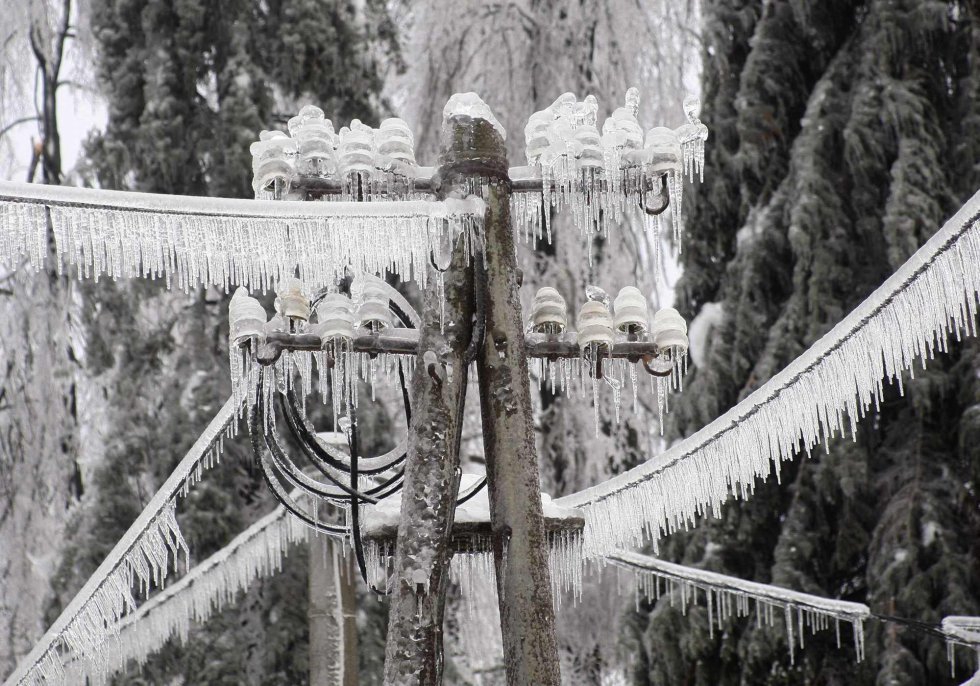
(520, 549)
(474, 156)
(332, 614)
(413, 653)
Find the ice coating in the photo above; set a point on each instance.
(476, 563)
(226, 242)
(728, 595)
(371, 164)
(471, 105)
(932, 298)
(600, 176)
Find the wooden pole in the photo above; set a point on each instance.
(413, 652)
(332, 618)
(527, 618)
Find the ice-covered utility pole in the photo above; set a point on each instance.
(413, 653)
(474, 156)
(520, 549)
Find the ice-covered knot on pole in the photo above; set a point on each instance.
(600, 177)
(607, 347)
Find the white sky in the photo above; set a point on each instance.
(79, 112)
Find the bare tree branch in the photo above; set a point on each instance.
(17, 122)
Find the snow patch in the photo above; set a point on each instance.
(699, 332)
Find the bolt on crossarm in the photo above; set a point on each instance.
(520, 546)
(413, 654)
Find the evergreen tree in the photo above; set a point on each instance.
(844, 133)
(189, 85)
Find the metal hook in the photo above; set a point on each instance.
(663, 193)
(646, 366)
(435, 369)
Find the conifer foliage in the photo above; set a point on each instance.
(189, 85)
(844, 134)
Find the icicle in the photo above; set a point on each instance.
(801, 406)
(722, 592)
(191, 241)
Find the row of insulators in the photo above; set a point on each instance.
(567, 128)
(337, 315)
(313, 149)
(597, 326)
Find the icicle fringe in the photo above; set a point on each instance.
(141, 559)
(728, 595)
(909, 318)
(254, 554)
(224, 242)
(472, 565)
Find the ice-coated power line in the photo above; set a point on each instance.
(908, 318)
(221, 241)
(255, 553)
(143, 554)
(727, 595)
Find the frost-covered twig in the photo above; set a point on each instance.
(727, 593)
(222, 241)
(908, 318)
(142, 555)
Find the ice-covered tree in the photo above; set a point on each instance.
(189, 85)
(844, 133)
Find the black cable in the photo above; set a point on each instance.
(267, 474)
(476, 489)
(316, 451)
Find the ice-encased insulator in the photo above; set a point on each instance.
(357, 149)
(592, 154)
(246, 316)
(669, 330)
(662, 151)
(316, 142)
(549, 313)
(395, 141)
(536, 135)
(631, 312)
(335, 318)
(373, 312)
(595, 326)
(623, 122)
(273, 157)
(292, 301)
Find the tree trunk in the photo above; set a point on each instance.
(527, 618)
(333, 630)
(413, 653)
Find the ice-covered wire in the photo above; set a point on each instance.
(907, 319)
(222, 241)
(104, 594)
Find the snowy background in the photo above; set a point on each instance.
(842, 135)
